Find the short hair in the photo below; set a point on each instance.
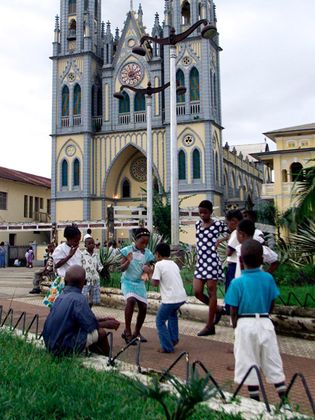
(251, 214)
(71, 232)
(252, 253)
(206, 204)
(163, 249)
(2, 244)
(246, 226)
(234, 214)
(89, 231)
(141, 232)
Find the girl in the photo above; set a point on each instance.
(135, 264)
(29, 256)
(92, 266)
(208, 268)
(64, 256)
(2, 255)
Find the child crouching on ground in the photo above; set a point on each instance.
(173, 295)
(251, 298)
(71, 326)
(92, 265)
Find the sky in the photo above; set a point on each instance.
(267, 70)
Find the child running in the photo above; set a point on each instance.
(135, 264)
(92, 265)
(208, 268)
(167, 276)
(251, 298)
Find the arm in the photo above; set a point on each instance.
(126, 262)
(272, 267)
(234, 312)
(220, 241)
(272, 307)
(230, 251)
(155, 283)
(63, 261)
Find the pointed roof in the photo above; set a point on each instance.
(248, 149)
(290, 130)
(24, 177)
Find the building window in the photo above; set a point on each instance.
(217, 169)
(72, 7)
(36, 204)
(181, 165)
(25, 206)
(180, 81)
(284, 175)
(214, 87)
(76, 173)
(126, 189)
(48, 206)
(65, 102)
(291, 145)
(186, 13)
(64, 174)
(296, 172)
(86, 5)
(3, 200)
(30, 208)
(41, 203)
(77, 100)
(124, 104)
(194, 85)
(139, 102)
(196, 164)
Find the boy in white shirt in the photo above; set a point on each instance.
(173, 295)
(252, 215)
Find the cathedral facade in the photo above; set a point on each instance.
(99, 142)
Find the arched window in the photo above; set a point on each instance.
(296, 172)
(99, 102)
(73, 25)
(214, 87)
(186, 13)
(124, 104)
(96, 8)
(77, 100)
(194, 85)
(86, 5)
(126, 189)
(217, 168)
(196, 164)
(284, 173)
(64, 173)
(139, 102)
(76, 173)
(65, 102)
(72, 6)
(181, 165)
(180, 81)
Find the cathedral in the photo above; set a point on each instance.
(99, 142)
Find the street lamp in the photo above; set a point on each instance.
(148, 92)
(208, 32)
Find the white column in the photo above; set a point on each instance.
(174, 151)
(149, 164)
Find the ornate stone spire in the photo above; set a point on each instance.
(140, 15)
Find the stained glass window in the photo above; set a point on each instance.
(126, 189)
(76, 173)
(72, 6)
(196, 164)
(77, 100)
(124, 104)
(194, 85)
(64, 174)
(65, 101)
(139, 102)
(180, 81)
(181, 165)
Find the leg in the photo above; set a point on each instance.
(129, 309)
(282, 391)
(199, 291)
(253, 391)
(212, 288)
(164, 334)
(142, 308)
(173, 322)
(102, 346)
(230, 274)
(36, 282)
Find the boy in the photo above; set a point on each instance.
(251, 298)
(92, 265)
(173, 295)
(252, 215)
(47, 273)
(71, 326)
(246, 230)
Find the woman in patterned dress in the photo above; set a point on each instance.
(208, 268)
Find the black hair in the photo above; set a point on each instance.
(141, 232)
(163, 249)
(89, 231)
(71, 232)
(250, 214)
(206, 204)
(234, 214)
(246, 226)
(2, 244)
(252, 253)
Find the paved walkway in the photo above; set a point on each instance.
(215, 352)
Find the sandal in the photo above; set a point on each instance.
(128, 338)
(142, 339)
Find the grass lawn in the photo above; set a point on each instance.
(35, 385)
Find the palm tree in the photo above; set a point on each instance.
(304, 194)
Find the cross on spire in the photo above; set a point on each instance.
(131, 5)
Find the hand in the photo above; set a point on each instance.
(111, 324)
(145, 277)
(106, 318)
(146, 269)
(73, 250)
(129, 257)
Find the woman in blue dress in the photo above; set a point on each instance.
(2, 255)
(136, 266)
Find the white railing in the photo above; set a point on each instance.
(140, 117)
(124, 119)
(195, 107)
(268, 190)
(77, 120)
(97, 123)
(65, 122)
(180, 109)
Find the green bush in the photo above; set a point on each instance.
(289, 275)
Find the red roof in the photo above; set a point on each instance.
(24, 177)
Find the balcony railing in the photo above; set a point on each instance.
(65, 122)
(140, 117)
(72, 34)
(97, 123)
(180, 109)
(124, 119)
(77, 120)
(195, 107)
(268, 190)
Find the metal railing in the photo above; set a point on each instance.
(306, 389)
(211, 378)
(166, 373)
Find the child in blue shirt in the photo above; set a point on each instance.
(136, 269)
(251, 298)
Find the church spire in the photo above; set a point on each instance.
(131, 5)
(140, 15)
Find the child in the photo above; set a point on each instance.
(29, 256)
(46, 273)
(136, 262)
(245, 231)
(92, 265)
(71, 326)
(251, 298)
(2, 255)
(252, 215)
(167, 276)
(208, 269)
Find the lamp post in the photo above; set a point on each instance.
(208, 32)
(148, 92)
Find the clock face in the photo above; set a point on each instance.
(131, 74)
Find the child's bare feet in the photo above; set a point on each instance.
(160, 350)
